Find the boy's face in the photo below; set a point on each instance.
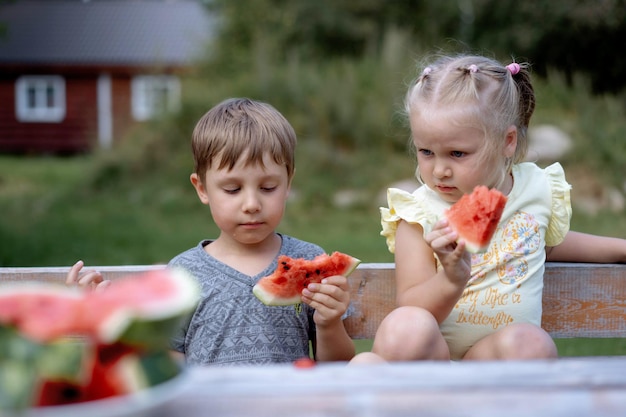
(247, 203)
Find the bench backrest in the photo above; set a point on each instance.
(579, 300)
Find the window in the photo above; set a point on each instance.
(40, 98)
(153, 95)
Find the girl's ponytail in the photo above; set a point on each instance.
(521, 76)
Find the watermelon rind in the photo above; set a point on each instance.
(16, 385)
(65, 359)
(24, 364)
(159, 367)
(17, 373)
(151, 325)
(148, 333)
(475, 247)
(267, 298)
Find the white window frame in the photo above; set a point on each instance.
(145, 91)
(40, 98)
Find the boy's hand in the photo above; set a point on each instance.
(330, 299)
(90, 279)
(456, 261)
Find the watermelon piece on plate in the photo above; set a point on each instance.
(475, 217)
(284, 287)
(141, 309)
(40, 311)
(60, 345)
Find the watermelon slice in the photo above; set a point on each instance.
(140, 309)
(475, 217)
(127, 309)
(60, 345)
(284, 287)
(40, 311)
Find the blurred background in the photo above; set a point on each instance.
(99, 98)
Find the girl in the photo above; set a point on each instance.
(469, 117)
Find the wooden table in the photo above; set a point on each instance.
(566, 387)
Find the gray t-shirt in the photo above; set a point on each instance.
(230, 326)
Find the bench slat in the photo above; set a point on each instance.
(580, 300)
(585, 300)
(373, 296)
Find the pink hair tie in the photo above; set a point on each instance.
(513, 68)
(426, 71)
(472, 68)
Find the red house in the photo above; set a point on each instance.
(75, 74)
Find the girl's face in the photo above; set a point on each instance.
(453, 156)
(247, 203)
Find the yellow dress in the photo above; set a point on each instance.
(507, 280)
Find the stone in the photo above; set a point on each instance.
(547, 143)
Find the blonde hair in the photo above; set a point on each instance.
(495, 97)
(240, 126)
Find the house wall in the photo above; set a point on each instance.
(73, 134)
(79, 129)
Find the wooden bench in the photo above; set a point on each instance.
(580, 300)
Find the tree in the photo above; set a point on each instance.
(574, 36)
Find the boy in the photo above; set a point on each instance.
(244, 164)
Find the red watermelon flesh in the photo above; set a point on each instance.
(121, 370)
(285, 285)
(41, 312)
(105, 379)
(107, 376)
(116, 369)
(475, 217)
(58, 392)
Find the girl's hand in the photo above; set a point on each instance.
(330, 299)
(455, 260)
(90, 279)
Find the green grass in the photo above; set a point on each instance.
(566, 347)
(591, 347)
(56, 211)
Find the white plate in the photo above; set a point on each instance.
(144, 403)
